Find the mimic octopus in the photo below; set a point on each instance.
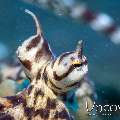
(53, 81)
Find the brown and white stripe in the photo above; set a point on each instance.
(34, 51)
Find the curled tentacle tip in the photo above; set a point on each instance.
(79, 45)
(27, 11)
(30, 12)
(80, 41)
(35, 19)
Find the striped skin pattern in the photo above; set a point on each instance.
(50, 77)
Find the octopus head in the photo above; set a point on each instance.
(70, 68)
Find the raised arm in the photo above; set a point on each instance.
(35, 51)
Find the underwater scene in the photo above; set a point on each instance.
(59, 60)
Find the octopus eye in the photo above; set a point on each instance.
(77, 65)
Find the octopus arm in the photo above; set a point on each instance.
(37, 102)
(34, 51)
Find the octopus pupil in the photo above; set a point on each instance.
(77, 65)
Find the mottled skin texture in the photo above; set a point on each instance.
(51, 78)
(33, 104)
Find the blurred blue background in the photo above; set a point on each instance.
(63, 33)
